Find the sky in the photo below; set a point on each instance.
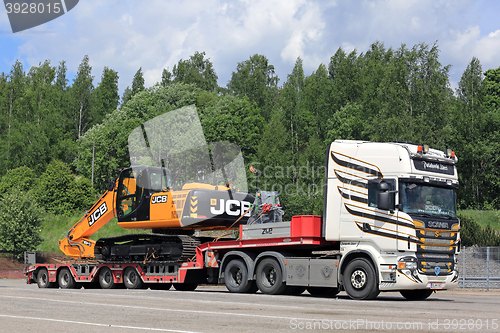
(126, 35)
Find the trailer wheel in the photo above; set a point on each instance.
(323, 291)
(65, 279)
(360, 281)
(236, 277)
(185, 286)
(106, 280)
(270, 277)
(416, 295)
(42, 279)
(132, 279)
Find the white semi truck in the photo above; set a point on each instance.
(392, 208)
(389, 224)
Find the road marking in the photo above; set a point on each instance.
(322, 301)
(97, 324)
(180, 293)
(163, 309)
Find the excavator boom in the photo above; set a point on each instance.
(77, 244)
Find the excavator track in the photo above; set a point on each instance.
(146, 248)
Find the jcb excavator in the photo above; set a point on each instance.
(171, 189)
(141, 198)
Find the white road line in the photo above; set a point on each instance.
(218, 313)
(143, 296)
(96, 324)
(325, 301)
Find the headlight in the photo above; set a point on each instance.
(411, 265)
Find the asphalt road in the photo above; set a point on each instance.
(25, 308)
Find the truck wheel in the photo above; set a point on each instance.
(132, 279)
(42, 279)
(65, 279)
(270, 277)
(185, 286)
(106, 280)
(323, 291)
(236, 277)
(416, 295)
(360, 281)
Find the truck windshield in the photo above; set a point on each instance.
(429, 200)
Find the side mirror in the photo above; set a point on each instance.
(385, 198)
(384, 201)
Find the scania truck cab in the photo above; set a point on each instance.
(392, 207)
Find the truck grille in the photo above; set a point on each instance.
(437, 249)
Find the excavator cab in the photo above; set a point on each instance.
(135, 187)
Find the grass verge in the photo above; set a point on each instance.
(484, 217)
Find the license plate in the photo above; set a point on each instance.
(436, 285)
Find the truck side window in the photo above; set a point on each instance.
(373, 190)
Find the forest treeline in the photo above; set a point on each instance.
(283, 126)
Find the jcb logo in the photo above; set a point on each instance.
(96, 215)
(159, 199)
(230, 207)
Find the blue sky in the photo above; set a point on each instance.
(127, 34)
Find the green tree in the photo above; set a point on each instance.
(317, 99)
(256, 79)
(166, 77)
(233, 119)
(105, 97)
(345, 72)
(492, 89)
(14, 90)
(348, 123)
(196, 70)
(80, 94)
(468, 126)
(291, 102)
(137, 87)
(19, 179)
(60, 192)
(138, 82)
(20, 219)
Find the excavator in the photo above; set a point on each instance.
(153, 196)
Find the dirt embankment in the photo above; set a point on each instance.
(10, 268)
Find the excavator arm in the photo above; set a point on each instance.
(77, 244)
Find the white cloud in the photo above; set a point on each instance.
(126, 34)
(465, 45)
